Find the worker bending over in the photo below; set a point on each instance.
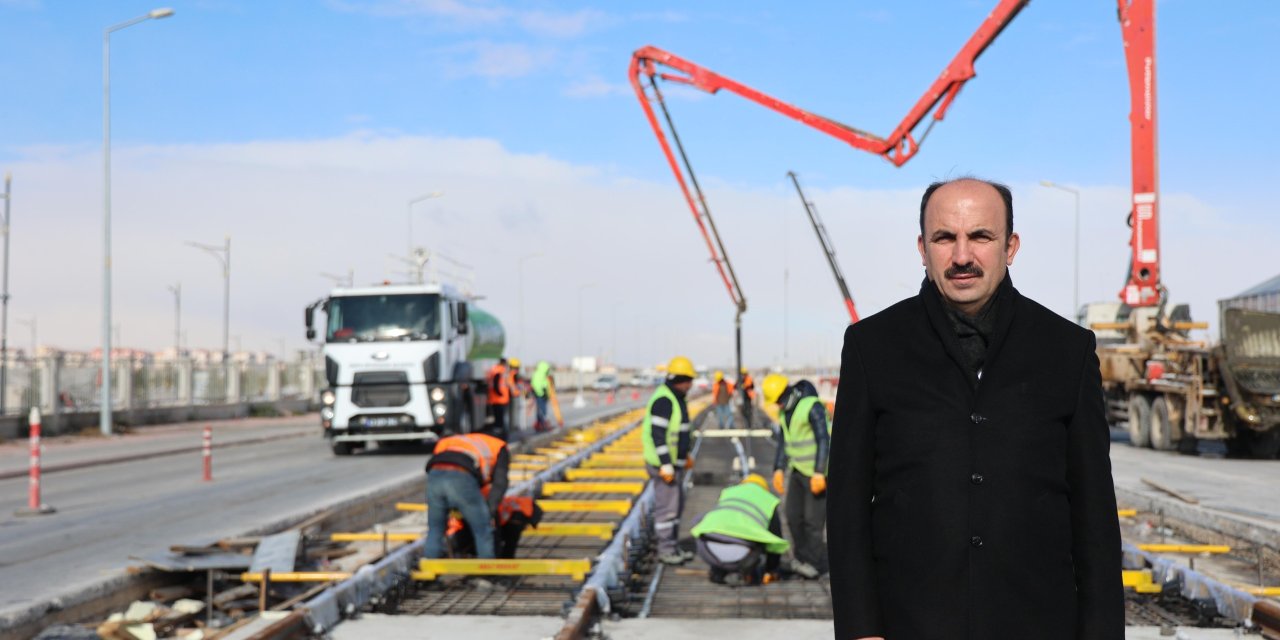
(806, 444)
(741, 538)
(468, 473)
(499, 382)
(665, 434)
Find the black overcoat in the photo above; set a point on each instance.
(972, 507)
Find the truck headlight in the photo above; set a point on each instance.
(328, 398)
(326, 414)
(437, 394)
(439, 409)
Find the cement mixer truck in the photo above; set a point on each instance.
(404, 363)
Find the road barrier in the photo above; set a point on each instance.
(207, 452)
(34, 505)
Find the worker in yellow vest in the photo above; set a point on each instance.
(805, 447)
(665, 437)
(741, 538)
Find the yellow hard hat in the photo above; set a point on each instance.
(515, 362)
(719, 376)
(681, 366)
(774, 384)
(757, 480)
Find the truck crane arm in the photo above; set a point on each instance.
(1138, 27)
(827, 247)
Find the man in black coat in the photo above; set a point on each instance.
(970, 491)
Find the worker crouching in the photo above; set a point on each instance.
(665, 434)
(466, 473)
(806, 444)
(741, 538)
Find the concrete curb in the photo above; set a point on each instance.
(97, 462)
(1254, 530)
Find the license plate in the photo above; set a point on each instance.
(382, 421)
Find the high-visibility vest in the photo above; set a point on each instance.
(749, 386)
(715, 389)
(744, 512)
(475, 452)
(802, 448)
(673, 426)
(499, 387)
(541, 381)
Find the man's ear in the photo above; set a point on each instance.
(1014, 243)
(920, 247)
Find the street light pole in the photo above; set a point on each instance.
(223, 255)
(4, 298)
(520, 292)
(1075, 296)
(579, 401)
(176, 289)
(104, 413)
(429, 196)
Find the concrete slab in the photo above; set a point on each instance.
(386, 627)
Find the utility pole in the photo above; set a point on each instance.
(176, 289)
(4, 298)
(223, 255)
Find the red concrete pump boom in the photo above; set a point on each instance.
(827, 248)
(1138, 26)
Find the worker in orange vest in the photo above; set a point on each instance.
(466, 472)
(499, 383)
(722, 399)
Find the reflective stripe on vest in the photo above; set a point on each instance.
(744, 512)
(801, 447)
(673, 427)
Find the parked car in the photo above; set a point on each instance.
(606, 382)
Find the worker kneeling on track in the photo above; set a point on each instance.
(468, 473)
(805, 447)
(741, 538)
(515, 514)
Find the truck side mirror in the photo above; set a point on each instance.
(309, 316)
(462, 318)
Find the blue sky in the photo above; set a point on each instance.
(547, 82)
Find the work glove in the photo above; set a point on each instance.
(779, 481)
(769, 578)
(818, 484)
(688, 463)
(668, 473)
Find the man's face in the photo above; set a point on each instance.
(966, 249)
(682, 387)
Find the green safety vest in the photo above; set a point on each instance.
(802, 449)
(744, 512)
(673, 428)
(541, 380)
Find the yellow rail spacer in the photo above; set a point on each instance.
(1185, 548)
(628, 462)
(601, 530)
(411, 506)
(606, 474)
(1139, 580)
(374, 537)
(1126, 513)
(532, 457)
(1266, 592)
(529, 466)
(629, 488)
(620, 507)
(299, 576)
(432, 569)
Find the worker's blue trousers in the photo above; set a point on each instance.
(448, 489)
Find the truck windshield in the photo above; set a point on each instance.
(384, 317)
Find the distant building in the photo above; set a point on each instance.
(1263, 297)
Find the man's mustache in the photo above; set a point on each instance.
(970, 269)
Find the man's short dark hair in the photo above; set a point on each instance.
(1005, 194)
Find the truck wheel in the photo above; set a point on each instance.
(341, 448)
(1139, 420)
(1160, 430)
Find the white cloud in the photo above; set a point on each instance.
(597, 87)
(481, 14)
(562, 25)
(497, 60)
(296, 209)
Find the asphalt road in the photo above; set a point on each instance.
(109, 512)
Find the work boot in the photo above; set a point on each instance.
(687, 554)
(804, 570)
(734, 579)
(672, 559)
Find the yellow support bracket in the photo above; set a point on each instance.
(411, 506)
(606, 474)
(1265, 592)
(375, 537)
(626, 462)
(532, 457)
(1185, 548)
(620, 507)
(1126, 513)
(529, 466)
(629, 488)
(1139, 580)
(432, 569)
(299, 576)
(601, 530)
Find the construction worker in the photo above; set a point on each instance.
(467, 473)
(542, 385)
(722, 397)
(665, 435)
(518, 386)
(806, 443)
(499, 383)
(741, 538)
(748, 386)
